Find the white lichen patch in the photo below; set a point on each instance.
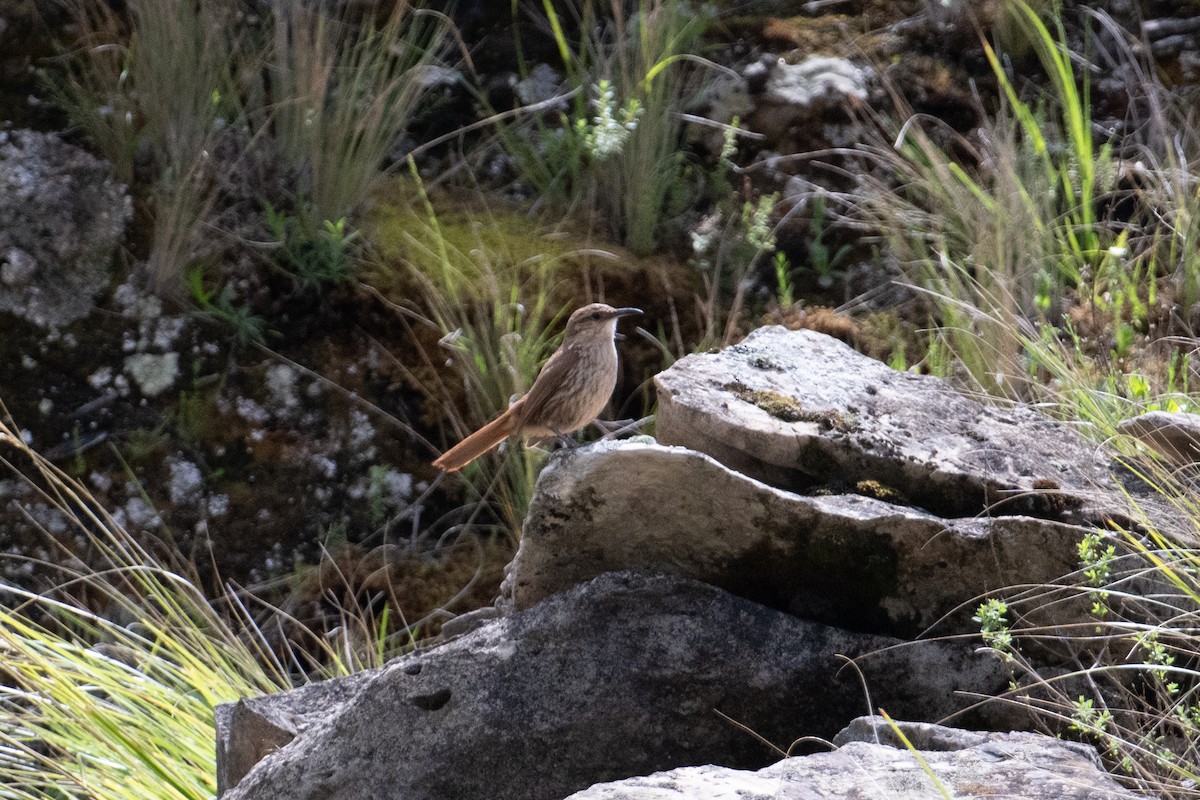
(153, 373)
(136, 515)
(166, 331)
(156, 330)
(393, 486)
(282, 383)
(218, 505)
(251, 411)
(362, 432)
(100, 482)
(325, 465)
(100, 378)
(187, 483)
(817, 79)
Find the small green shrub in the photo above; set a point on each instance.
(245, 327)
(315, 258)
(617, 158)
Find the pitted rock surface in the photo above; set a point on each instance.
(62, 215)
(872, 763)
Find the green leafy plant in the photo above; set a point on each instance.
(315, 258)
(785, 290)
(1137, 652)
(244, 325)
(1097, 560)
(821, 259)
(605, 134)
(993, 625)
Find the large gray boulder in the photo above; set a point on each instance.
(847, 560)
(871, 762)
(62, 215)
(801, 410)
(624, 675)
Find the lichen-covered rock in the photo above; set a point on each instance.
(871, 762)
(801, 410)
(62, 214)
(798, 94)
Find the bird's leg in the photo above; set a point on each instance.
(619, 427)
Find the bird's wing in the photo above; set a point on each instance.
(552, 377)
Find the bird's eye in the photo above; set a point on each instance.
(595, 315)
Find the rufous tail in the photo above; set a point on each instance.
(477, 443)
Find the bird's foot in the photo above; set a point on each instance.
(565, 442)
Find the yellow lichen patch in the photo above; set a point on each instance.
(788, 409)
(799, 37)
(879, 491)
(809, 35)
(1049, 498)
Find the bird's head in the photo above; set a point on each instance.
(596, 317)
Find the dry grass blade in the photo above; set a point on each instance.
(346, 89)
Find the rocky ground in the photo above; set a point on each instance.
(293, 465)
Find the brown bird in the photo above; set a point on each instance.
(569, 392)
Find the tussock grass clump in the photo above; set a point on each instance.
(110, 675)
(156, 89)
(1052, 260)
(344, 89)
(489, 308)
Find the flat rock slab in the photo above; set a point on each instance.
(846, 560)
(871, 763)
(799, 409)
(621, 676)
